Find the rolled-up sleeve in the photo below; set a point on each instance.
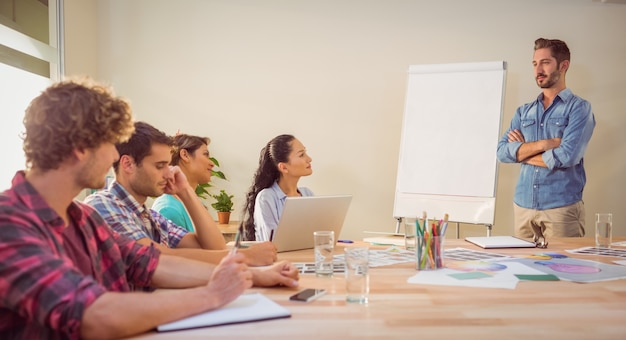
(575, 139)
(507, 151)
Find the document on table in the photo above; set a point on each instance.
(246, 308)
(386, 257)
(475, 274)
(393, 240)
(571, 269)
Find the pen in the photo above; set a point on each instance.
(444, 225)
(423, 227)
(418, 228)
(271, 235)
(345, 241)
(237, 244)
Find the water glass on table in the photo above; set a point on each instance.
(324, 242)
(357, 274)
(604, 230)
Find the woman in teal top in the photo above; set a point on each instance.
(191, 155)
(170, 207)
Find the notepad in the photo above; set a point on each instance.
(488, 242)
(386, 240)
(246, 308)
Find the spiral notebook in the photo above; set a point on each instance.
(246, 308)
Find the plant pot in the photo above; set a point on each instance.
(223, 217)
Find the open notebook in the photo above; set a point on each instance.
(246, 308)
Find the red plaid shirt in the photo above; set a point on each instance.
(43, 293)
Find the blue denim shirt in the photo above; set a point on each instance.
(562, 182)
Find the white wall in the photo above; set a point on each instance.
(333, 72)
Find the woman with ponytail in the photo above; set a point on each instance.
(281, 164)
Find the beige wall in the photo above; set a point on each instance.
(333, 72)
(81, 37)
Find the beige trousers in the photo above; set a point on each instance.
(568, 221)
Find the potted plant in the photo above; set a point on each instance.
(202, 190)
(223, 205)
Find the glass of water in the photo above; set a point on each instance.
(324, 242)
(357, 274)
(604, 230)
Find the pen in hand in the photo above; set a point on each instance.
(237, 244)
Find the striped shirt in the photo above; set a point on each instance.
(44, 291)
(132, 219)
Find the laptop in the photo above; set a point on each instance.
(303, 215)
(490, 242)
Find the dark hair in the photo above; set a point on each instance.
(73, 114)
(558, 48)
(186, 142)
(140, 143)
(276, 151)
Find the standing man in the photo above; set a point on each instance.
(549, 136)
(143, 171)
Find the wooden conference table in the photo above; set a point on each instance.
(542, 310)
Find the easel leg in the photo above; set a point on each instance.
(398, 224)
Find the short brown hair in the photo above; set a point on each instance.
(140, 143)
(73, 114)
(558, 48)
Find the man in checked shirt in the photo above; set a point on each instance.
(63, 272)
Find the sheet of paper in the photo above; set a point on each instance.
(384, 257)
(617, 252)
(385, 240)
(464, 254)
(499, 275)
(571, 269)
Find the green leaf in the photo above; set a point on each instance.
(223, 202)
(202, 190)
(218, 174)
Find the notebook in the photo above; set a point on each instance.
(246, 308)
(392, 240)
(303, 215)
(488, 242)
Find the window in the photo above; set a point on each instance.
(30, 60)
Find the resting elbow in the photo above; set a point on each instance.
(100, 322)
(101, 329)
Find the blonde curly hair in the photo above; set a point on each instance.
(73, 114)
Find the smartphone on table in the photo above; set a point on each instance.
(307, 295)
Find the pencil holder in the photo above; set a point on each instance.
(429, 252)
